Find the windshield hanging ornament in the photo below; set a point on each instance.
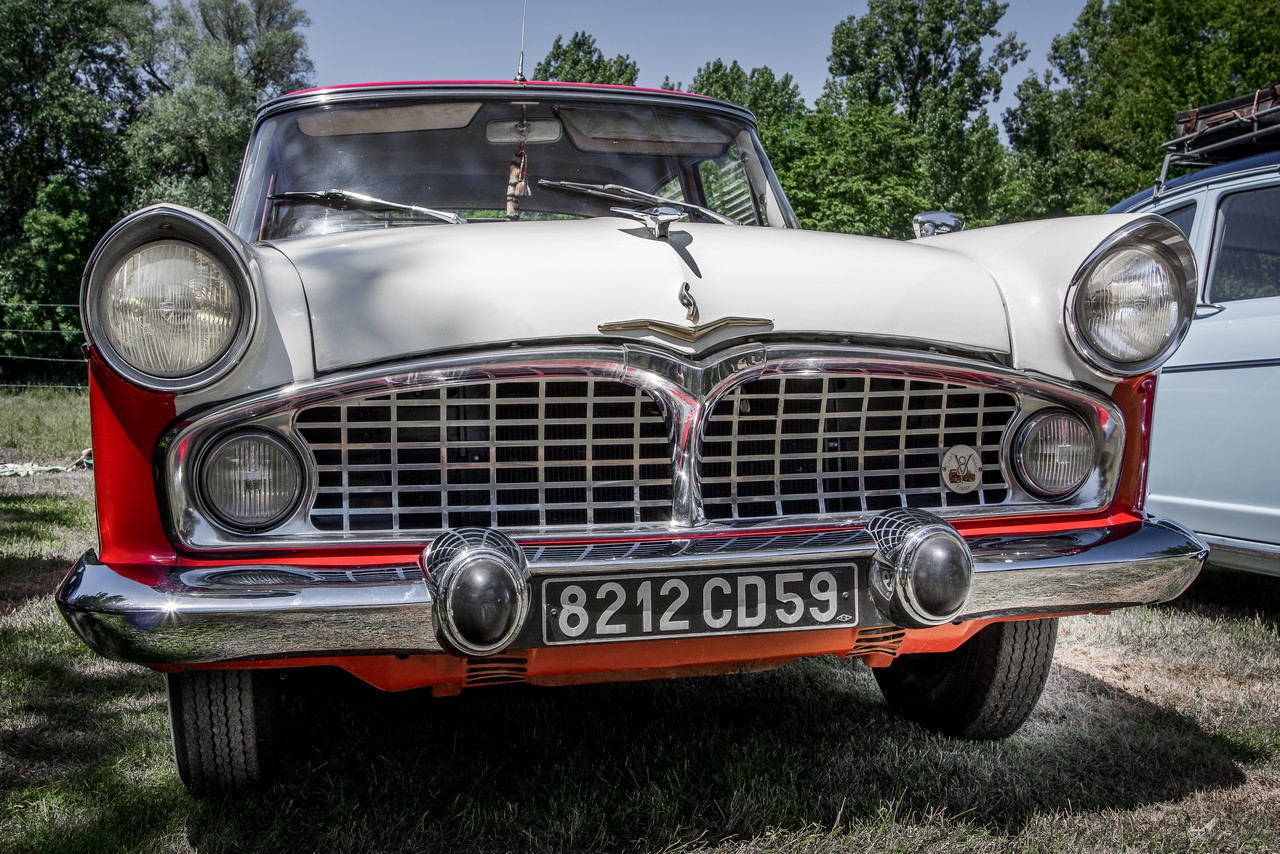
(518, 173)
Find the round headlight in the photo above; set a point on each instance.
(251, 481)
(169, 309)
(1131, 303)
(167, 299)
(1054, 453)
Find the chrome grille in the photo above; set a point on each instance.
(499, 453)
(841, 444)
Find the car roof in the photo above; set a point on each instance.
(499, 88)
(1261, 162)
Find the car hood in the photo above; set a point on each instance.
(375, 296)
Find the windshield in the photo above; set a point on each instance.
(393, 162)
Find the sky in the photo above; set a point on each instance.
(385, 40)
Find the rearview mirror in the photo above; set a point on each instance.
(528, 131)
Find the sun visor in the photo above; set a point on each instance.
(342, 121)
(641, 131)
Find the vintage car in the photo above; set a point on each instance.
(487, 383)
(1218, 410)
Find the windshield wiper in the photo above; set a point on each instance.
(360, 200)
(618, 192)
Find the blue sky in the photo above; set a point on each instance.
(480, 40)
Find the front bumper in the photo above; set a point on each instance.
(260, 612)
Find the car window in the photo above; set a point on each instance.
(1246, 247)
(727, 187)
(1182, 218)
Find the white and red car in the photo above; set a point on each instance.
(505, 382)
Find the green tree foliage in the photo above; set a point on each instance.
(853, 167)
(581, 61)
(1088, 133)
(912, 53)
(776, 101)
(938, 63)
(208, 66)
(66, 93)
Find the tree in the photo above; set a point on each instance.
(208, 66)
(938, 63)
(580, 61)
(775, 101)
(1090, 130)
(852, 167)
(66, 93)
(905, 53)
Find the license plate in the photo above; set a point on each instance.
(594, 609)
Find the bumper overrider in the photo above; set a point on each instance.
(477, 593)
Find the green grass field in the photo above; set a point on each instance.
(1159, 731)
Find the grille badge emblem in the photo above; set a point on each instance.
(961, 469)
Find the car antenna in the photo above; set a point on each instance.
(520, 78)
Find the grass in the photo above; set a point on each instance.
(45, 426)
(1159, 731)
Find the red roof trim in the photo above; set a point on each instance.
(511, 83)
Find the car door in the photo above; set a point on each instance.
(1215, 460)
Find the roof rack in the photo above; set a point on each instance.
(1224, 131)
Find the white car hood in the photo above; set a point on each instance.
(376, 296)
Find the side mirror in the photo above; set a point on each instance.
(929, 223)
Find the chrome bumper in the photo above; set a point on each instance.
(199, 616)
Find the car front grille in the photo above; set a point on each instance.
(542, 453)
(803, 445)
(589, 452)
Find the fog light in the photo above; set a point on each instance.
(251, 480)
(1054, 453)
(480, 582)
(922, 569)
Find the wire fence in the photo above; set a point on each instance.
(30, 356)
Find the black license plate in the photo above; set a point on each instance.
(594, 609)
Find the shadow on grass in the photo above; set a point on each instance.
(1219, 592)
(653, 765)
(28, 578)
(58, 725)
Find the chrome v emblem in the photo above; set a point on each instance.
(682, 332)
(673, 331)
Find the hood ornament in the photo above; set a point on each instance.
(658, 220)
(687, 300)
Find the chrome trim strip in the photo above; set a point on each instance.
(186, 622)
(1241, 364)
(1246, 555)
(686, 389)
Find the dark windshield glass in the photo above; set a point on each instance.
(484, 159)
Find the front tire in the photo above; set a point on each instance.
(985, 689)
(226, 729)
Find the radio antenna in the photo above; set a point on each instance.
(520, 78)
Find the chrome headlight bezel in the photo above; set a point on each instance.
(169, 224)
(1162, 241)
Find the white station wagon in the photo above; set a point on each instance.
(506, 382)
(1218, 411)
